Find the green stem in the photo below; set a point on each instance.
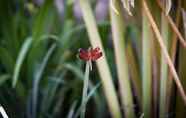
(146, 67)
(180, 108)
(134, 72)
(164, 70)
(85, 90)
(102, 64)
(121, 61)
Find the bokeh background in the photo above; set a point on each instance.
(41, 75)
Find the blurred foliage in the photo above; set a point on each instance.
(41, 76)
(38, 56)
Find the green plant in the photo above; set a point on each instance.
(141, 73)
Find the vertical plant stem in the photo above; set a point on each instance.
(164, 69)
(85, 90)
(134, 73)
(156, 63)
(164, 50)
(146, 67)
(173, 48)
(173, 26)
(120, 54)
(180, 108)
(102, 65)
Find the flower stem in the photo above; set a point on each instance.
(85, 90)
(102, 64)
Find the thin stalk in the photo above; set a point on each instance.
(165, 52)
(146, 67)
(173, 26)
(156, 63)
(102, 65)
(85, 90)
(134, 73)
(155, 78)
(180, 108)
(121, 61)
(164, 69)
(173, 48)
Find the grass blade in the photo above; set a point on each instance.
(173, 50)
(22, 55)
(121, 61)
(164, 69)
(173, 26)
(37, 79)
(180, 109)
(146, 67)
(72, 108)
(92, 92)
(85, 91)
(162, 45)
(134, 72)
(102, 64)
(40, 23)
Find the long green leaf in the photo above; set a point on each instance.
(102, 64)
(121, 61)
(22, 55)
(164, 70)
(146, 68)
(72, 109)
(85, 90)
(89, 95)
(42, 17)
(37, 78)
